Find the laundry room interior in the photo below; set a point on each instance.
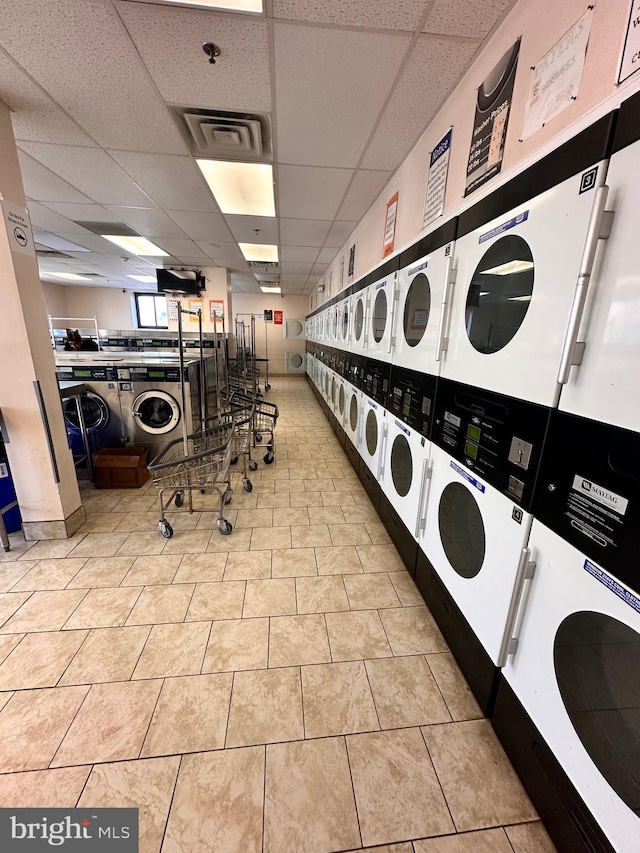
(319, 427)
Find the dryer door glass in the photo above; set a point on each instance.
(461, 530)
(359, 319)
(416, 309)
(341, 400)
(94, 411)
(499, 294)
(401, 465)
(333, 390)
(353, 413)
(597, 666)
(379, 319)
(371, 432)
(345, 321)
(156, 412)
(296, 360)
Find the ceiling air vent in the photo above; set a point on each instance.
(223, 135)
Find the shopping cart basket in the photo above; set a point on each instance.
(204, 468)
(263, 424)
(240, 413)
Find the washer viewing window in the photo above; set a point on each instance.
(416, 309)
(401, 465)
(341, 399)
(353, 413)
(379, 319)
(156, 412)
(461, 530)
(371, 432)
(94, 411)
(359, 319)
(597, 666)
(499, 294)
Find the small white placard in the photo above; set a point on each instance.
(172, 306)
(18, 225)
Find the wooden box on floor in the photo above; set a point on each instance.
(120, 467)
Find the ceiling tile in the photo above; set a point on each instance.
(303, 232)
(244, 228)
(364, 190)
(310, 193)
(326, 256)
(150, 222)
(90, 170)
(170, 40)
(296, 268)
(182, 249)
(41, 184)
(54, 241)
(36, 116)
(84, 212)
(49, 220)
(339, 234)
(221, 251)
(94, 243)
(294, 254)
(441, 61)
(473, 18)
(321, 120)
(399, 15)
(292, 277)
(202, 226)
(96, 79)
(171, 181)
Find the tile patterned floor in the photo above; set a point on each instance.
(282, 689)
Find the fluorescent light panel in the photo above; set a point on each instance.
(509, 268)
(259, 252)
(228, 5)
(136, 245)
(245, 189)
(68, 275)
(270, 289)
(144, 278)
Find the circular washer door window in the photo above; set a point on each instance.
(295, 360)
(156, 412)
(94, 411)
(379, 319)
(461, 530)
(499, 294)
(353, 413)
(341, 399)
(333, 390)
(401, 465)
(359, 319)
(597, 666)
(416, 310)
(371, 432)
(345, 321)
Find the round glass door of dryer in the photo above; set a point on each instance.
(156, 412)
(295, 360)
(359, 319)
(499, 294)
(341, 399)
(461, 530)
(401, 465)
(333, 390)
(379, 319)
(417, 306)
(371, 432)
(597, 666)
(353, 413)
(94, 411)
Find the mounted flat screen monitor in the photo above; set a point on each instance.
(188, 282)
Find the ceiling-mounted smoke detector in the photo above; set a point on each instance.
(224, 135)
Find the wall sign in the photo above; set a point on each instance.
(630, 62)
(493, 105)
(437, 179)
(216, 309)
(195, 305)
(341, 272)
(352, 261)
(18, 225)
(555, 79)
(390, 226)
(267, 315)
(277, 318)
(172, 309)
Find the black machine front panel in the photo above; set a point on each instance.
(356, 370)
(412, 398)
(67, 373)
(376, 380)
(341, 363)
(499, 437)
(589, 492)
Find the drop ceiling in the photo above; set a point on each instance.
(347, 86)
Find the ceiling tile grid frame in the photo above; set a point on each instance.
(472, 18)
(404, 15)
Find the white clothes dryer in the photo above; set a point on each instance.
(382, 299)
(373, 432)
(345, 319)
(360, 314)
(353, 414)
(405, 471)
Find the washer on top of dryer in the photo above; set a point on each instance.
(518, 260)
(424, 285)
(382, 299)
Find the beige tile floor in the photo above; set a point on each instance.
(281, 689)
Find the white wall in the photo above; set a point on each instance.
(293, 307)
(55, 299)
(540, 23)
(110, 305)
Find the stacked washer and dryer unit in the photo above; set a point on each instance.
(505, 461)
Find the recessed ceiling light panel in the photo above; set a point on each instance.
(270, 289)
(70, 276)
(146, 279)
(245, 189)
(136, 245)
(259, 252)
(224, 5)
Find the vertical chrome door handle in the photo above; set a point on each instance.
(421, 518)
(395, 297)
(383, 450)
(449, 281)
(526, 571)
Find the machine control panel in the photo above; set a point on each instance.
(499, 437)
(376, 380)
(67, 373)
(356, 370)
(411, 397)
(150, 373)
(341, 364)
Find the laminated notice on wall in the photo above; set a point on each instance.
(630, 62)
(390, 226)
(18, 225)
(172, 309)
(195, 305)
(555, 79)
(437, 179)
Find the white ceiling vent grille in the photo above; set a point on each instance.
(222, 135)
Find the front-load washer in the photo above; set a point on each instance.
(599, 387)
(517, 267)
(424, 287)
(100, 405)
(568, 704)
(360, 313)
(372, 434)
(382, 298)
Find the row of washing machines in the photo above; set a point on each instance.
(484, 384)
(137, 399)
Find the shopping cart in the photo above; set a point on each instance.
(263, 424)
(241, 414)
(204, 468)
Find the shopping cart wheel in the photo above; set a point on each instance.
(267, 387)
(247, 485)
(269, 457)
(233, 460)
(253, 465)
(225, 527)
(179, 499)
(228, 496)
(166, 529)
(258, 438)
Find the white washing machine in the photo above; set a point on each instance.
(373, 434)
(382, 298)
(353, 413)
(360, 313)
(404, 474)
(345, 320)
(599, 387)
(424, 289)
(517, 269)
